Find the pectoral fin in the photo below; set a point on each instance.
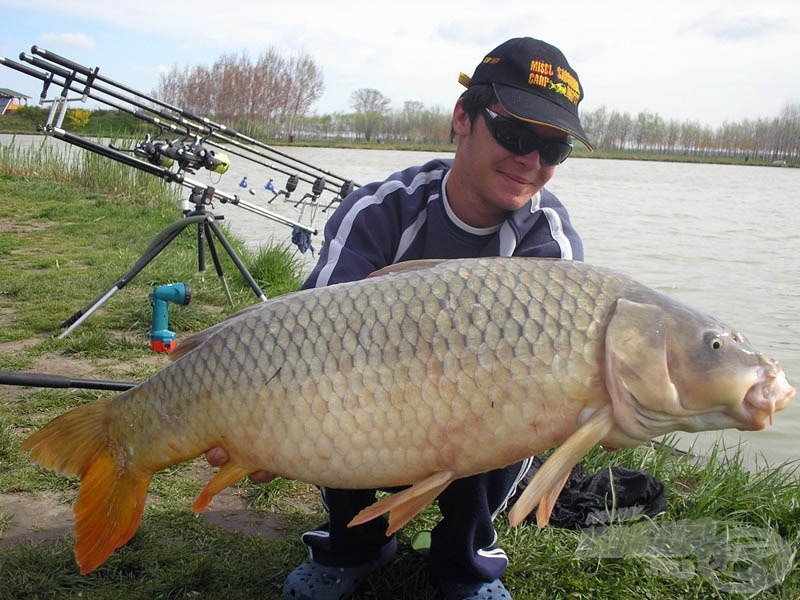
(404, 506)
(553, 474)
(548, 503)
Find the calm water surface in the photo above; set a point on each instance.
(721, 238)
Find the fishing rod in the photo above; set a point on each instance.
(174, 176)
(232, 142)
(85, 82)
(27, 379)
(72, 80)
(150, 149)
(175, 150)
(207, 229)
(164, 126)
(90, 77)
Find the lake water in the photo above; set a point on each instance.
(722, 238)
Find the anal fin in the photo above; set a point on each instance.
(404, 506)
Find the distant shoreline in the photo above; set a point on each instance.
(579, 152)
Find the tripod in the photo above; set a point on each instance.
(207, 229)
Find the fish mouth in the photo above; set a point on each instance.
(770, 394)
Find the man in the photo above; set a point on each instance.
(513, 126)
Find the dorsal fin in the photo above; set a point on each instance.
(190, 343)
(409, 265)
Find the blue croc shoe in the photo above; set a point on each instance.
(314, 581)
(492, 590)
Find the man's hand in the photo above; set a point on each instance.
(218, 456)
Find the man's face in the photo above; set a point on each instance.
(497, 180)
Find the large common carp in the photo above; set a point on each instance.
(428, 372)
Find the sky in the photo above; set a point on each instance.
(703, 61)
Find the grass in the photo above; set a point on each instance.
(64, 239)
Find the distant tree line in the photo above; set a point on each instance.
(760, 139)
(372, 120)
(265, 97)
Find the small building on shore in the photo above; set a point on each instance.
(11, 100)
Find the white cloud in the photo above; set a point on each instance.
(707, 61)
(73, 40)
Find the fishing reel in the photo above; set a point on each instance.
(189, 157)
(150, 150)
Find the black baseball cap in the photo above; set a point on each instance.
(533, 82)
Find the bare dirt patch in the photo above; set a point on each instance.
(46, 517)
(229, 512)
(34, 519)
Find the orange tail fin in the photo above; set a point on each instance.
(110, 499)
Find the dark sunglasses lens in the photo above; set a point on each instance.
(554, 153)
(551, 152)
(508, 136)
(520, 140)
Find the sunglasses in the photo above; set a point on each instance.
(519, 139)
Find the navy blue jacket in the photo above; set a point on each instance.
(407, 217)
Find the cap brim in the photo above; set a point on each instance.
(533, 108)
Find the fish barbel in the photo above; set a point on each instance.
(428, 372)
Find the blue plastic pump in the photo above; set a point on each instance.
(161, 338)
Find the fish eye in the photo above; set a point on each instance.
(713, 340)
